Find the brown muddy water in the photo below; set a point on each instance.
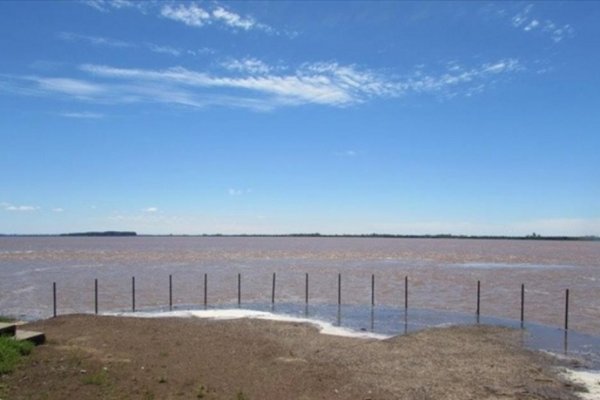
(442, 274)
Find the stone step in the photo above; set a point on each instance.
(36, 338)
(7, 328)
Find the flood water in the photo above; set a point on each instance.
(442, 274)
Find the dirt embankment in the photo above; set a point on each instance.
(89, 357)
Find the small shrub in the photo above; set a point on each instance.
(99, 378)
(241, 396)
(201, 392)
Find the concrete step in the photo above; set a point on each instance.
(36, 338)
(7, 328)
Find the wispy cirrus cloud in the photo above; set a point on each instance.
(107, 5)
(236, 21)
(526, 21)
(116, 43)
(82, 115)
(249, 65)
(164, 49)
(69, 86)
(238, 192)
(459, 79)
(315, 83)
(192, 14)
(254, 84)
(94, 40)
(150, 209)
(18, 208)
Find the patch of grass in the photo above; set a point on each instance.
(99, 378)
(201, 392)
(6, 319)
(3, 390)
(11, 352)
(241, 396)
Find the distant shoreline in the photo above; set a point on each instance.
(314, 235)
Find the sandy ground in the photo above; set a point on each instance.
(92, 357)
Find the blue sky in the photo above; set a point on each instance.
(280, 117)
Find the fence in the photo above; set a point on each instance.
(306, 297)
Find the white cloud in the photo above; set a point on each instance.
(532, 25)
(250, 65)
(74, 87)
(191, 15)
(251, 83)
(238, 192)
(107, 5)
(82, 115)
(525, 21)
(558, 33)
(97, 4)
(10, 207)
(164, 49)
(458, 79)
(58, 209)
(109, 42)
(125, 4)
(522, 16)
(346, 153)
(232, 19)
(315, 83)
(200, 51)
(150, 210)
(95, 40)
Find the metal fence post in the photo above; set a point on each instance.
(522, 303)
(133, 293)
(406, 292)
(54, 299)
(273, 291)
(170, 292)
(339, 289)
(205, 289)
(306, 290)
(567, 309)
(239, 289)
(478, 297)
(372, 290)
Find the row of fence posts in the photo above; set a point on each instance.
(339, 298)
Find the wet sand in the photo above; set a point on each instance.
(91, 357)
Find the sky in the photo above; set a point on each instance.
(477, 118)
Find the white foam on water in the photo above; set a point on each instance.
(586, 378)
(499, 265)
(325, 328)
